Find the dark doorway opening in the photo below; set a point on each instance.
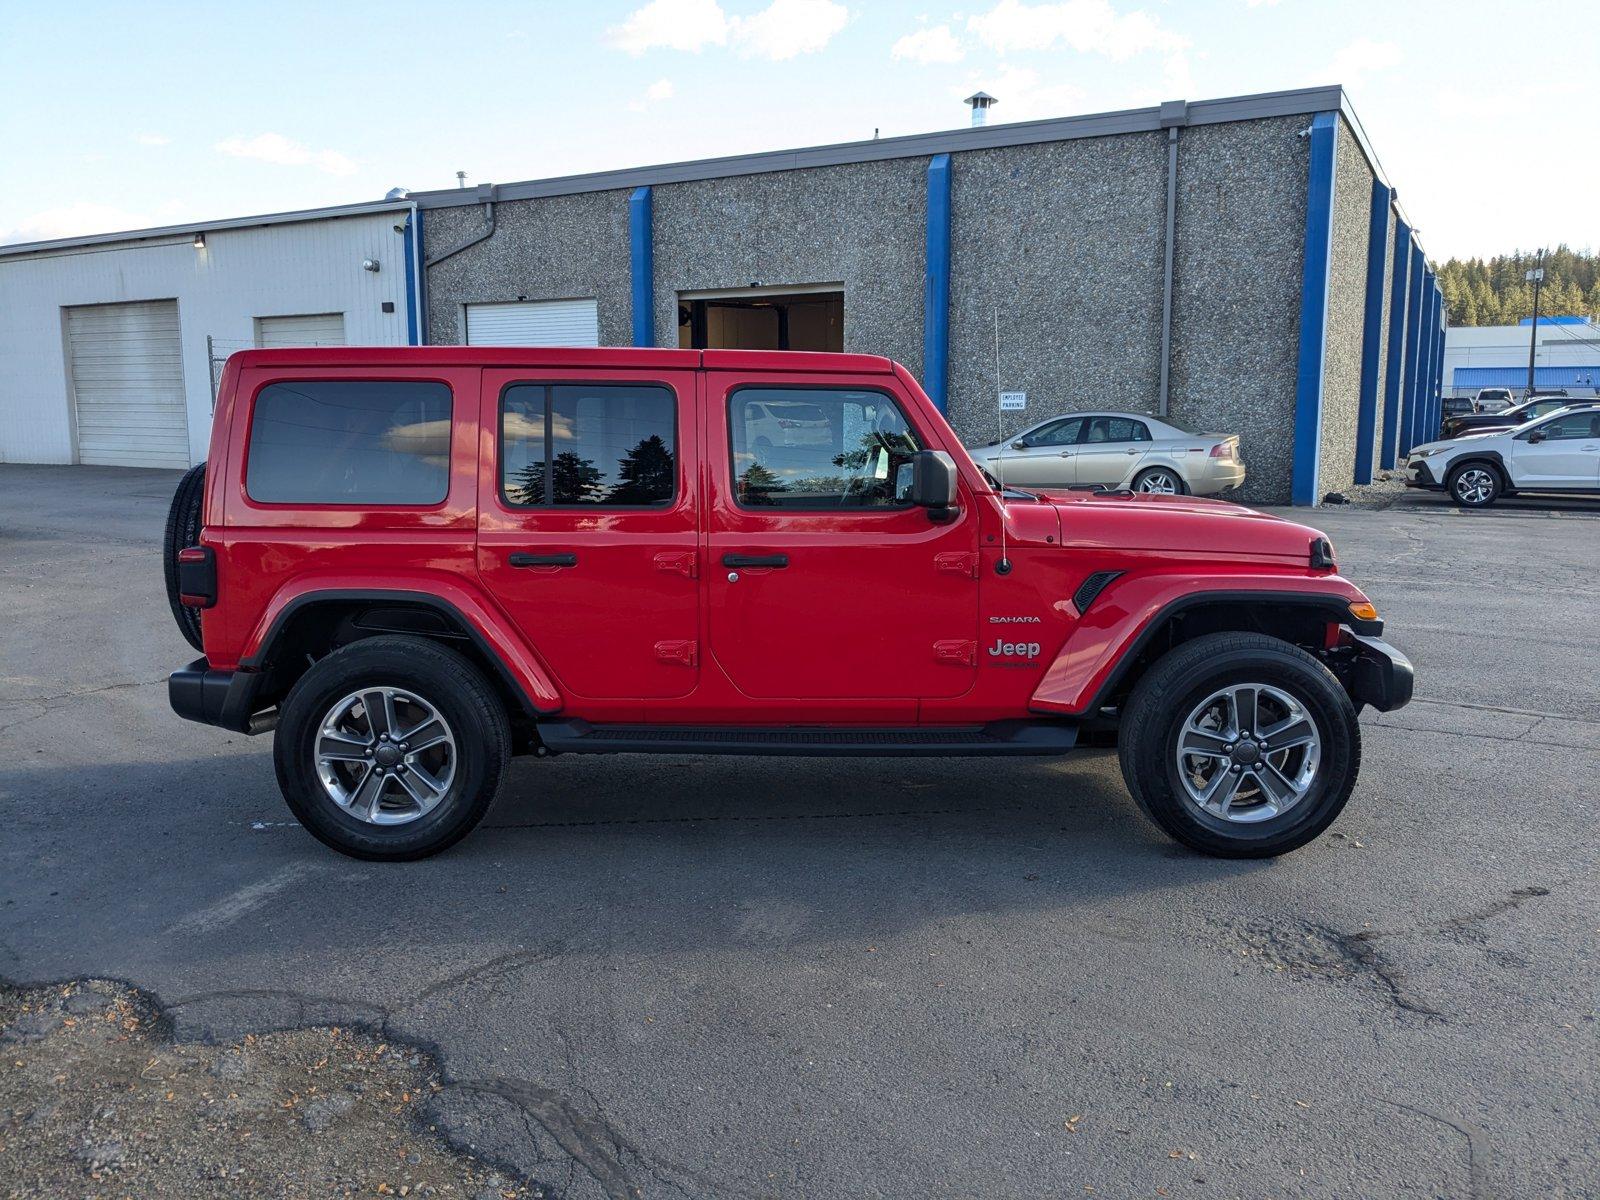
(812, 320)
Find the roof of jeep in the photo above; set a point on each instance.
(802, 361)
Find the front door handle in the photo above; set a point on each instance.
(755, 560)
(1066, 454)
(520, 559)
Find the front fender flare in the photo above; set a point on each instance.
(1105, 643)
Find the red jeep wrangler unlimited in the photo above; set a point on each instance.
(415, 563)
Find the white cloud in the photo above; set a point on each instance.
(152, 139)
(286, 152)
(1087, 26)
(1022, 96)
(784, 29)
(672, 25)
(1361, 58)
(936, 45)
(74, 220)
(659, 91)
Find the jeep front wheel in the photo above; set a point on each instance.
(391, 748)
(1240, 745)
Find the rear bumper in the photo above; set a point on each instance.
(226, 699)
(1382, 676)
(1218, 475)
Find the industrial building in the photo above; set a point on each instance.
(1566, 356)
(1239, 265)
(110, 345)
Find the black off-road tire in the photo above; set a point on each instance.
(183, 530)
(1455, 484)
(1153, 719)
(473, 710)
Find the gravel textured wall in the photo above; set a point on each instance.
(1347, 292)
(1236, 303)
(555, 248)
(1066, 239)
(863, 225)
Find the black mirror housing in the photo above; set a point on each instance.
(1536, 435)
(933, 481)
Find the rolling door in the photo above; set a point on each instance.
(127, 384)
(534, 323)
(319, 329)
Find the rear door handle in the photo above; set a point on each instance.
(520, 559)
(755, 560)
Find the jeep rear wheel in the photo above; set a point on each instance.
(1240, 745)
(391, 748)
(183, 530)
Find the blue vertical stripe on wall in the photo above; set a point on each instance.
(1314, 312)
(642, 260)
(1372, 331)
(1394, 371)
(1413, 349)
(409, 238)
(936, 286)
(1430, 320)
(1438, 365)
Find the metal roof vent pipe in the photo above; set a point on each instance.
(981, 103)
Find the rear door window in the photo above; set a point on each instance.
(588, 445)
(1116, 429)
(366, 442)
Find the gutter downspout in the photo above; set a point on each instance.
(1174, 113)
(486, 197)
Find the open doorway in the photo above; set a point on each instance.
(794, 318)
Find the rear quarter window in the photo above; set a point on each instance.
(350, 442)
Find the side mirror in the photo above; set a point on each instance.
(1537, 435)
(933, 483)
(1020, 444)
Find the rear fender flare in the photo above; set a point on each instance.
(493, 634)
(1106, 642)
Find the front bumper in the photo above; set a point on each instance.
(226, 699)
(1381, 675)
(1420, 475)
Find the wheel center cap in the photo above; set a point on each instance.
(1246, 754)
(386, 755)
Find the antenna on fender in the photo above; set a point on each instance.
(1003, 567)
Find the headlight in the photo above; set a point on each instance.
(1430, 453)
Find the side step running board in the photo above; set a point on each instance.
(997, 739)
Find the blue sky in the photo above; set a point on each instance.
(115, 116)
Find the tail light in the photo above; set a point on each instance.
(1222, 450)
(197, 577)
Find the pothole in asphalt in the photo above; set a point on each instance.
(96, 1098)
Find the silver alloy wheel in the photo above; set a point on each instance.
(1163, 482)
(385, 755)
(1248, 752)
(1474, 485)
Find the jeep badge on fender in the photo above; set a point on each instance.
(398, 572)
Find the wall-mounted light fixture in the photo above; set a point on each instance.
(199, 241)
(369, 264)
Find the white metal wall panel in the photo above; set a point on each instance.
(127, 384)
(317, 329)
(534, 323)
(221, 288)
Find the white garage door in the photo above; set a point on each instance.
(127, 384)
(318, 329)
(534, 323)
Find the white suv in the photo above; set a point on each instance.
(1558, 452)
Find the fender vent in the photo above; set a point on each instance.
(1089, 590)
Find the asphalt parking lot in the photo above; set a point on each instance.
(721, 977)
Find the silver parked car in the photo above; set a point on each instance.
(1116, 450)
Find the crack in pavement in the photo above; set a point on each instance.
(1477, 1144)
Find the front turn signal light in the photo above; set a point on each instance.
(1363, 610)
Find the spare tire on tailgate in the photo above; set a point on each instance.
(183, 529)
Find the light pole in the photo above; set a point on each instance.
(1535, 277)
